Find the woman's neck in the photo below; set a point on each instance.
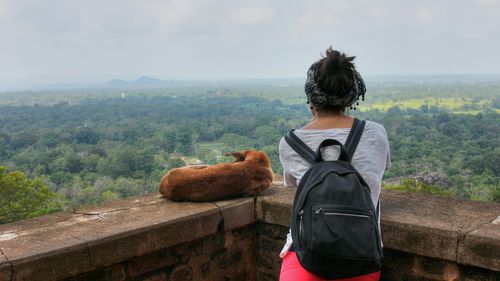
(329, 120)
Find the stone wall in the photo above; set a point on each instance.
(225, 255)
(150, 238)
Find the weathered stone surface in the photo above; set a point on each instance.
(481, 247)
(37, 252)
(54, 265)
(430, 225)
(135, 202)
(163, 227)
(65, 244)
(39, 236)
(237, 212)
(419, 240)
(36, 225)
(5, 267)
(274, 205)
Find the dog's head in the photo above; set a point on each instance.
(251, 156)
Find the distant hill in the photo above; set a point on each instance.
(141, 82)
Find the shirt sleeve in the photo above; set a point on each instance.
(388, 148)
(388, 161)
(288, 179)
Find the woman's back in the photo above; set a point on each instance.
(371, 157)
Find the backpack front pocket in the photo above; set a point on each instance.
(348, 232)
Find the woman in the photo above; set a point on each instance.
(332, 85)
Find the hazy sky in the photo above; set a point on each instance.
(218, 38)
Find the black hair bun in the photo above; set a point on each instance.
(334, 74)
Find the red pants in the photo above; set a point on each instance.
(291, 270)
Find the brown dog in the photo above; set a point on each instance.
(249, 174)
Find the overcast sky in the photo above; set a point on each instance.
(228, 38)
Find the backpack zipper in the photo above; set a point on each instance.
(320, 211)
(324, 213)
(301, 227)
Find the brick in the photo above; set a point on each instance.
(272, 231)
(203, 268)
(191, 249)
(229, 258)
(214, 244)
(181, 273)
(112, 273)
(244, 233)
(160, 276)
(265, 276)
(265, 261)
(149, 263)
(5, 271)
(431, 266)
(270, 245)
(470, 273)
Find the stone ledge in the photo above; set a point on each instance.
(65, 244)
(461, 231)
(68, 243)
(481, 247)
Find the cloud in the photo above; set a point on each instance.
(3, 8)
(50, 16)
(488, 2)
(251, 15)
(424, 15)
(326, 14)
(189, 38)
(167, 15)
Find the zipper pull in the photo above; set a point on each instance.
(318, 211)
(301, 213)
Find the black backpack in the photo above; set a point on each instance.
(334, 223)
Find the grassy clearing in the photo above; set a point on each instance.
(455, 105)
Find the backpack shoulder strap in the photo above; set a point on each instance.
(354, 136)
(300, 147)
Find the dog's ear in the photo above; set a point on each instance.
(240, 156)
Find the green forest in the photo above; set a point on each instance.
(62, 149)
